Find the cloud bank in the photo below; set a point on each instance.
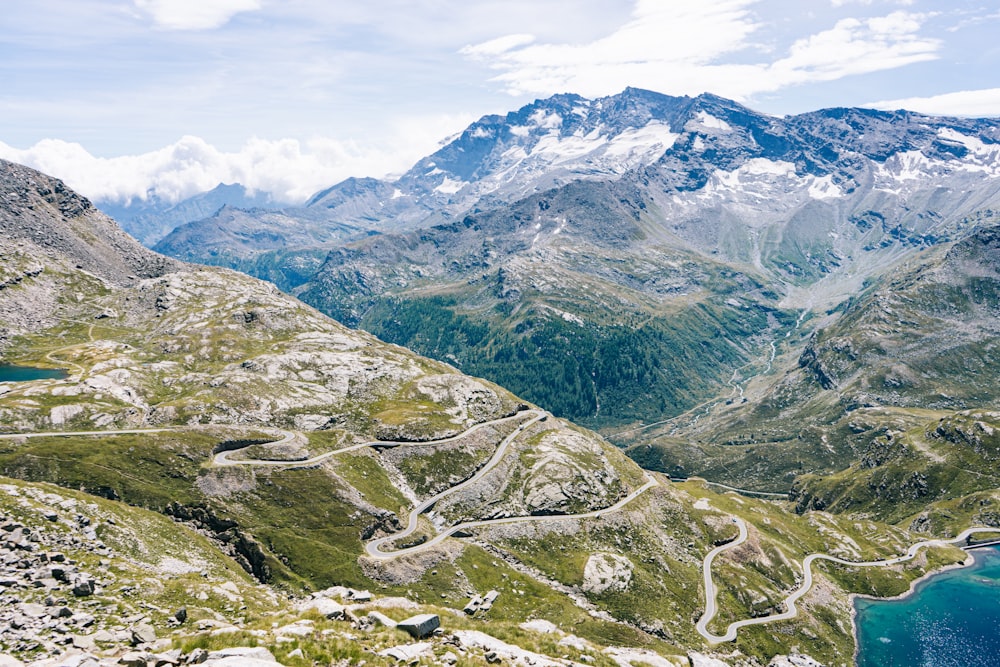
(289, 170)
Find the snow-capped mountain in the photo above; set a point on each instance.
(542, 145)
(716, 176)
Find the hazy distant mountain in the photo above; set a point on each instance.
(151, 219)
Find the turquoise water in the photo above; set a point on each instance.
(24, 373)
(952, 619)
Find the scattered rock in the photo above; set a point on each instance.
(702, 660)
(325, 607)
(409, 652)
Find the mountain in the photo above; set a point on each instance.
(325, 463)
(236, 238)
(152, 218)
(637, 296)
(495, 160)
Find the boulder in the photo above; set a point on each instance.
(408, 652)
(83, 586)
(604, 572)
(135, 659)
(421, 625)
(258, 653)
(197, 656)
(793, 660)
(381, 619)
(143, 633)
(702, 660)
(325, 607)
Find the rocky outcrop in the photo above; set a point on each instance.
(84, 236)
(606, 572)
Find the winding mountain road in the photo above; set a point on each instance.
(287, 437)
(62, 434)
(791, 611)
(375, 548)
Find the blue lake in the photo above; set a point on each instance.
(25, 373)
(952, 619)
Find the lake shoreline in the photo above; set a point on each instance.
(969, 561)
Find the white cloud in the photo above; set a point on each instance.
(660, 35)
(290, 170)
(689, 48)
(852, 47)
(497, 46)
(194, 14)
(977, 103)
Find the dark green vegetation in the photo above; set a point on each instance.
(596, 374)
(311, 539)
(598, 321)
(866, 387)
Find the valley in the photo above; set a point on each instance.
(673, 395)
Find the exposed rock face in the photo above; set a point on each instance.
(793, 660)
(606, 572)
(551, 470)
(31, 201)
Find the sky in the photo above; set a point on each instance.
(126, 99)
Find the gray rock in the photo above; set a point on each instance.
(83, 586)
(381, 619)
(327, 607)
(793, 660)
(359, 596)
(197, 656)
(241, 657)
(135, 659)
(143, 633)
(421, 625)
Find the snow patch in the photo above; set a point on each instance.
(710, 121)
(974, 144)
(649, 142)
(546, 120)
(824, 188)
(449, 186)
(481, 133)
(760, 165)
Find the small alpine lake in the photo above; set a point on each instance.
(950, 619)
(10, 373)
